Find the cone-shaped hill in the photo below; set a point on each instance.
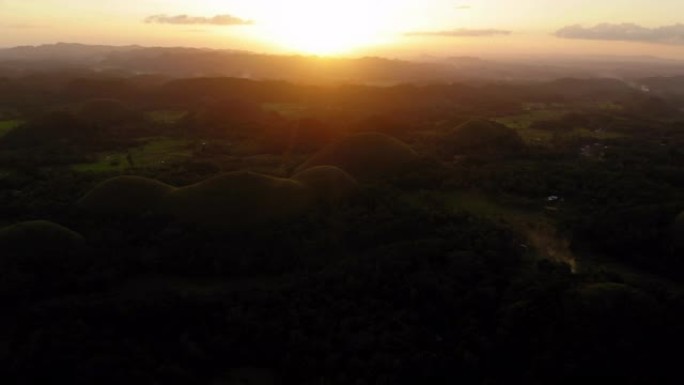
(125, 196)
(40, 245)
(483, 137)
(365, 156)
(238, 201)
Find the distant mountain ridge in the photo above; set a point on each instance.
(202, 62)
(63, 52)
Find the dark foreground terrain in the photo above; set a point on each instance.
(278, 233)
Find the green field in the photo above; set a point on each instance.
(153, 153)
(524, 120)
(534, 225)
(290, 110)
(8, 125)
(522, 124)
(167, 116)
(587, 133)
(106, 162)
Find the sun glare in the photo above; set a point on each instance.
(323, 27)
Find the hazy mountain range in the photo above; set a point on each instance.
(190, 62)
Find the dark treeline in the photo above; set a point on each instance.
(54, 86)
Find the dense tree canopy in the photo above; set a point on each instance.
(215, 229)
(482, 137)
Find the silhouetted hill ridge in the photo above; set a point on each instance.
(205, 62)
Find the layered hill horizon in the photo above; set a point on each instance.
(208, 62)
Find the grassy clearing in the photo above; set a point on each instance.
(522, 123)
(542, 236)
(158, 150)
(534, 225)
(167, 116)
(610, 107)
(105, 163)
(155, 152)
(290, 110)
(8, 125)
(601, 135)
(487, 207)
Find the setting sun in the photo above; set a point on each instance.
(324, 28)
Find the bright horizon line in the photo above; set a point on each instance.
(406, 56)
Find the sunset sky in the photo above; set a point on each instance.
(358, 27)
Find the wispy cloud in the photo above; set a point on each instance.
(463, 32)
(225, 20)
(671, 34)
